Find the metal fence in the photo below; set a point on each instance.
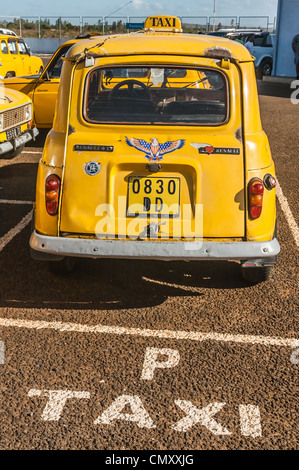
(105, 24)
(261, 22)
(70, 26)
(220, 22)
(199, 23)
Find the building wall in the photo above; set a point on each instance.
(287, 28)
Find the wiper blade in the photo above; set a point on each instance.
(195, 83)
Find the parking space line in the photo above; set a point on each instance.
(288, 214)
(32, 152)
(11, 201)
(15, 230)
(148, 333)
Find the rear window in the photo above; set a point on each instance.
(156, 95)
(259, 41)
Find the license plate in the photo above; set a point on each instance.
(12, 133)
(154, 196)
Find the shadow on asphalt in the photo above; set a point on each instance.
(18, 181)
(39, 141)
(94, 284)
(279, 90)
(106, 284)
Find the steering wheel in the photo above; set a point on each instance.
(134, 92)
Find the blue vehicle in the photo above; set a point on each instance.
(263, 49)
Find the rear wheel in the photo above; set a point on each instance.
(264, 69)
(9, 75)
(256, 275)
(65, 266)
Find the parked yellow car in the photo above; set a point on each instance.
(15, 58)
(169, 163)
(15, 122)
(43, 88)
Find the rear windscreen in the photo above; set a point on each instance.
(166, 95)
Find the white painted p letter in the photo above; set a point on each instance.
(151, 361)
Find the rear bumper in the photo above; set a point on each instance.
(44, 246)
(18, 141)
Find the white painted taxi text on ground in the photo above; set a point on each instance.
(250, 420)
(151, 361)
(2, 353)
(56, 401)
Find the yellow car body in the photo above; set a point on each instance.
(170, 163)
(15, 58)
(15, 122)
(43, 88)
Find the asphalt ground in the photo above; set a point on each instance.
(126, 355)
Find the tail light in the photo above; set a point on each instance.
(255, 197)
(52, 194)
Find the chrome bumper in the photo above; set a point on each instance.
(141, 249)
(18, 141)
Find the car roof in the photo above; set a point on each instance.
(248, 30)
(150, 42)
(8, 36)
(7, 31)
(249, 33)
(71, 42)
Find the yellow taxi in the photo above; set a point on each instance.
(15, 58)
(43, 88)
(169, 163)
(15, 122)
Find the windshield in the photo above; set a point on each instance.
(156, 95)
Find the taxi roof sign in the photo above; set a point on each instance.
(163, 23)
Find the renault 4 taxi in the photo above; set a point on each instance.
(15, 122)
(15, 58)
(157, 152)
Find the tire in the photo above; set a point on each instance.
(256, 275)
(14, 153)
(264, 69)
(65, 266)
(9, 75)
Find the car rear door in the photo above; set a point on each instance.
(17, 62)
(186, 178)
(25, 58)
(46, 90)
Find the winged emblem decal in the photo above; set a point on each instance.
(153, 150)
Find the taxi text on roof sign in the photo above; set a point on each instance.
(168, 23)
